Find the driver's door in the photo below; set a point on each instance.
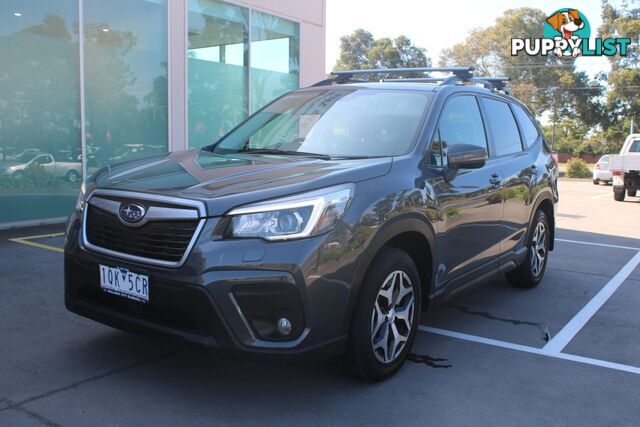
(469, 200)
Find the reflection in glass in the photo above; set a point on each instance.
(126, 80)
(217, 62)
(39, 110)
(275, 57)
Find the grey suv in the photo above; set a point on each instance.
(323, 224)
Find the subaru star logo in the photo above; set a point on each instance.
(132, 213)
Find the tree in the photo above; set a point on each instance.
(359, 51)
(545, 83)
(622, 102)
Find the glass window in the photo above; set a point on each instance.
(335, 122)
(125, 79)
(275, 57)
(529, 130)
(504, 131)
(39, 109)
(460, 123)
(218, 74)
(635, 146)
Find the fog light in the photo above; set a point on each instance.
(284, 326)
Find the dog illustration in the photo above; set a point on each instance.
(566, 23)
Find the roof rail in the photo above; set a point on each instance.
(458, 75)
(347, 76)
(494, 83)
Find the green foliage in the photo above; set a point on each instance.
(622, 101)
(33, 176)
(359, 51)
(541, 82)
(578, 168)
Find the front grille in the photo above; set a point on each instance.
(158, 240)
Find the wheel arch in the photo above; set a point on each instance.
(410, 233)
(545, 202)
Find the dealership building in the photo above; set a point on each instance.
(87, 83)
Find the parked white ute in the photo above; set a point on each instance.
(625, 168)
(601, 172)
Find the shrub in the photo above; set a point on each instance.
(578, 168)
(33, 176)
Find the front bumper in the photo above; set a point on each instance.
(227, 293)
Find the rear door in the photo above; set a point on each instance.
(469, 202)
(517, 164)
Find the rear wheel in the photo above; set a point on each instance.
(385, 320)
(530, 273)
(618, 196)
(631, 193)
(73, 176)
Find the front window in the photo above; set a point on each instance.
(335, 122)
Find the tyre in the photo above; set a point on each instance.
(631, 193)
(596, 181)
(386, 317)
(73, 176)
(530, 273)
(618, 196)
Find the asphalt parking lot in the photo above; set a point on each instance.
(564, 353)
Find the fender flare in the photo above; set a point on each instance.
(543, 195)
(411, 222)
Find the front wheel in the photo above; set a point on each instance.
(596, 181)
(530, 272)
(385, 320)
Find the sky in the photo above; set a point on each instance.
(436, 25)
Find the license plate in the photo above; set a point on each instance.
(120, 281)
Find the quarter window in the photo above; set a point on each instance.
(529, 130)
(504, 131)
(460, 123)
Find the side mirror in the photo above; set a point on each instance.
(466, 156)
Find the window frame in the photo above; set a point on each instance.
(523, 150)
(533, 121)
(488, 146)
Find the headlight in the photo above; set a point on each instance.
(81, 197)
(294, 217)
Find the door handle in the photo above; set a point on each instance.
(495, 180)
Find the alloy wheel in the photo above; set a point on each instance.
(392, 317)
(538, 249)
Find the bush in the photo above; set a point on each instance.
(578, 168)
(34, 176)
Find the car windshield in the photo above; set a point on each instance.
(340, 122)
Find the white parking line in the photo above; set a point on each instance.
(598, 244)
(571, 329)
(532, 350)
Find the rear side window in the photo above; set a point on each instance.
(504, 131)
(635, 146)
(460, 123)
(529, 130)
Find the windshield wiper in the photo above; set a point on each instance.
(299, 153)
(285, 153)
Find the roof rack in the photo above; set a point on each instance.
(458, 75)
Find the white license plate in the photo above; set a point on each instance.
(121, 281)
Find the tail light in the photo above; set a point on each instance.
(555, 156)
(617, 173)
